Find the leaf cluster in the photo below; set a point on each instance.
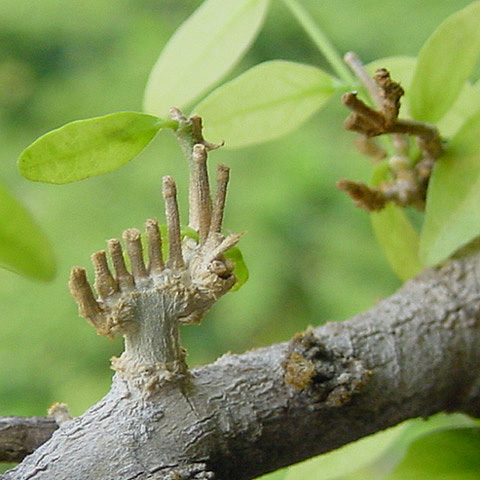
(275, 97)
(439, 90)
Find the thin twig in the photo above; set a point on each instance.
(201, 203)
(105, 284)
(21, 436)
(175, 258)
(83, 294)
(124, 279)
(133, 243)
(223, 175)
(409, 178)
(154, 241)
(356, 65)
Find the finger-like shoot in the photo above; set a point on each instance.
(147, 300)
(407, 182)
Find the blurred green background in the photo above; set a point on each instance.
(311, 254)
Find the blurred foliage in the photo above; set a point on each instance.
(311, 254)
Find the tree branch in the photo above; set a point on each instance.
(20, 436)
(412, 355)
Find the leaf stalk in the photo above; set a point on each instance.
(321, 41)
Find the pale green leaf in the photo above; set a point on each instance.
(85, 148)
(453, 198)
(277, 475)
(347, 459)
(397, 450)
(24, 247)
(240, 269)
(202, 51)
(445, 62)
(395, 234)
(398, 240)
(375, 456)
(267, 101)
(466, 105)
(450, 454)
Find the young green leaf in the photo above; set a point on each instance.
(90, 147)
(395, 234)
(397, 449)
(442, 68)
(240, 269)
(466, 105)
(267, 101)
(24, 248)
(398, 239)
(452, 217)
(450, 454)
(202, 51)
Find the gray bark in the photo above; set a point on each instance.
(412, 355)
(21, 436)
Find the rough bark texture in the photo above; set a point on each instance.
(21, 436)
(412, 355)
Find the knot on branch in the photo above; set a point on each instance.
(313, 367)
(184, 276)
(190, 132)
(193, 277)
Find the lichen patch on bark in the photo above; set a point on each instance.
(311, 366)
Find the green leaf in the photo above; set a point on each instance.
(466, 105)
(90, 147)
(277, 475)
(398, 239)
(450, 454)
(444, 64)
(371, 457)
(24, 247)
(240, 269)
(395, 234)
(397, 450)
(202, 51)
(452, 215)
(267, 101)
(347, 459)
